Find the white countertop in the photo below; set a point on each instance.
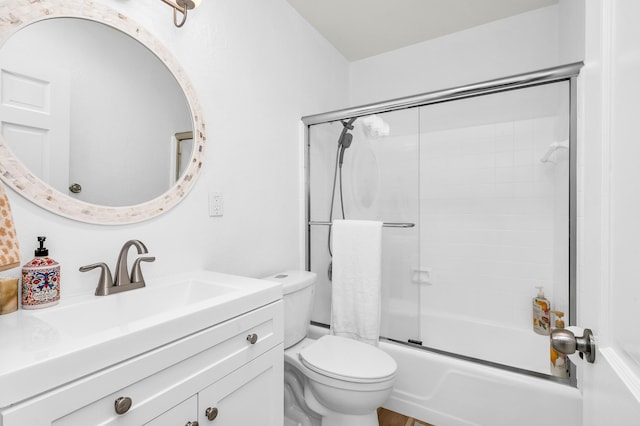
(45, 348)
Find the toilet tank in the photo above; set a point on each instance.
(297, 295)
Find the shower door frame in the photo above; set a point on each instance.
(564, 73)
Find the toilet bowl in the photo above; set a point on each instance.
(332, 381)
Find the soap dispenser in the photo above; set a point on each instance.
(541, 315)
(559, 361)
(40, 280)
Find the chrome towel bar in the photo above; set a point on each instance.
(385, 224)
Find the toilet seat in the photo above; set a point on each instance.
(348, 360)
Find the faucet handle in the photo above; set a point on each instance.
(105, 282)
(136, 272)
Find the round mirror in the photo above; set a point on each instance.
(97, 121)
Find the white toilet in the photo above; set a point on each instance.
(332, 381)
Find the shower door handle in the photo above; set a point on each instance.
(564, 341)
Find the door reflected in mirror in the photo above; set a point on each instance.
(93, 112)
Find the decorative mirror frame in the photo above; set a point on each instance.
(16, 14)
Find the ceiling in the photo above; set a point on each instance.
(363, 28)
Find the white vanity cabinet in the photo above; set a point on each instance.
(250, 396)
(245, 397)
(181, 414)
(234, 368)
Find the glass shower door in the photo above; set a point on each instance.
(378, 180)
(487, 175)
(494, 222)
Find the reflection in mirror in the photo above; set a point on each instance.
(92, 112)
(183, 147)
(140, 137)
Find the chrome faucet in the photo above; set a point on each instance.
(123, 281)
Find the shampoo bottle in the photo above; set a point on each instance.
(541, 314)
(40, 280)
(559, 361)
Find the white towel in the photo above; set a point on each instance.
(356, 283)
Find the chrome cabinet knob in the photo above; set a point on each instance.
(252, 338)
(564, 341)
(211, 413)
(193, 423)
(123, 404)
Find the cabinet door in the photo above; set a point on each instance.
(251, 395)
(179, 415)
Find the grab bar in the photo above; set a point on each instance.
(385, 224)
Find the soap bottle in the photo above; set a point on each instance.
(559, 361)
(40, 280)
(541, 315)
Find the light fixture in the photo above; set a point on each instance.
(182, 6)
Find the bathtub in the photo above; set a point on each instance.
(447, 391)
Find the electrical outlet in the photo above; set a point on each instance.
(215, 204)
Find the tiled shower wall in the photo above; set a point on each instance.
(494, 222)
(489, 220)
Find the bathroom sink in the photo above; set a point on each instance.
(43, 349)
(134, 308)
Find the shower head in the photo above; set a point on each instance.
(345, 142)
(345, 139)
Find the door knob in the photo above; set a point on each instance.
(564, 341)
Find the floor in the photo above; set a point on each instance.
(391, 418)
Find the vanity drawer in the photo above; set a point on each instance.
(157, 380)
(179, 415)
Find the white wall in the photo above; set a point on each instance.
(257, 67)
(501, 48)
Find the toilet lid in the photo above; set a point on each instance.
(348, 360)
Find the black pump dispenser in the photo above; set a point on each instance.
(42, 251)
(40, 280)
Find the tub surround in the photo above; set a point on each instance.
(442, 390)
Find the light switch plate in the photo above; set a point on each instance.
(215, 204)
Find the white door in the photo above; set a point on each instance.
(34, 117)
(609, 276)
